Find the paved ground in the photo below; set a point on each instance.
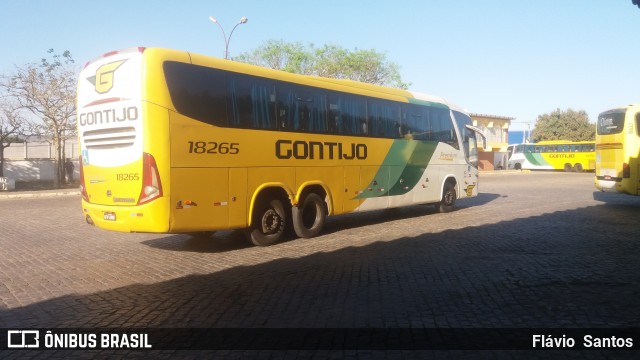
(534, 250)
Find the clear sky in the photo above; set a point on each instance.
(510, 58)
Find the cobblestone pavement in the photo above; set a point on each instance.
(533, 250)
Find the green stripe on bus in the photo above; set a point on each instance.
(427, 103)
(405, 162)
(535, 159)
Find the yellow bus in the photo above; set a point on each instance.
(176, 142)
(564, 155)
(617, 150)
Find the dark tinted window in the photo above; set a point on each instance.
(442, 127)
(347, 114)
(415, 122)
(251, 102)
(611, 122)
(197, 92)
(224, 98)
(384, 119)
(301, 108)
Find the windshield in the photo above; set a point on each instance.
(469, 143)
(611, 122)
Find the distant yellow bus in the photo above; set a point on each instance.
(175, 142)
(617, 150)
(553, 155)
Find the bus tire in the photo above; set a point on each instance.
(568, 167)
(309, 217)
(269, 223)
(448, 202)
(577, 167)
(517, 166)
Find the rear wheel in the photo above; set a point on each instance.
(448, 202)
(577, 167)
(268, 223)
(309, 217)
(568, 167)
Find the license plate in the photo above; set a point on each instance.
(110, 216)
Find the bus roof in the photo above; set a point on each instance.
(335, 84)
(619, 109)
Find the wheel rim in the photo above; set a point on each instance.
(271, 222)
(448, 198)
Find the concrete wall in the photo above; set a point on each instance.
(40, 150)
(33, 161)
(34, 169)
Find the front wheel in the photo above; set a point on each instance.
(448, 202)
(309, 217)
(268, 224)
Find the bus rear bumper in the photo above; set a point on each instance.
(607, 185)
(151, 217)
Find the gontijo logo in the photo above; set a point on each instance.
(103, 79)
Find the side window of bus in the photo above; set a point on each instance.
(197, 92)
(347, 114)
(415, 122)
(384, 119)
(442, 127)
(251, 102)
(301, 108)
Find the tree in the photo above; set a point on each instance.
(564, 125)
(12, 125)
(330, 61)
(279, 55)
(48, 91)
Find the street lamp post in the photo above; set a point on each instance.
(243, 20)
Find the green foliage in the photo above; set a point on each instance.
(564, 125)
(330, 61)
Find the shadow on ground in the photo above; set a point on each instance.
(567, 269)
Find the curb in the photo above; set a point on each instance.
(38, 194)
(503, 172)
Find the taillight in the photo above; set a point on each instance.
(151, 185)
(83, 188)
(626, 171)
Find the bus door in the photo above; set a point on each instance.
(470, 145)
